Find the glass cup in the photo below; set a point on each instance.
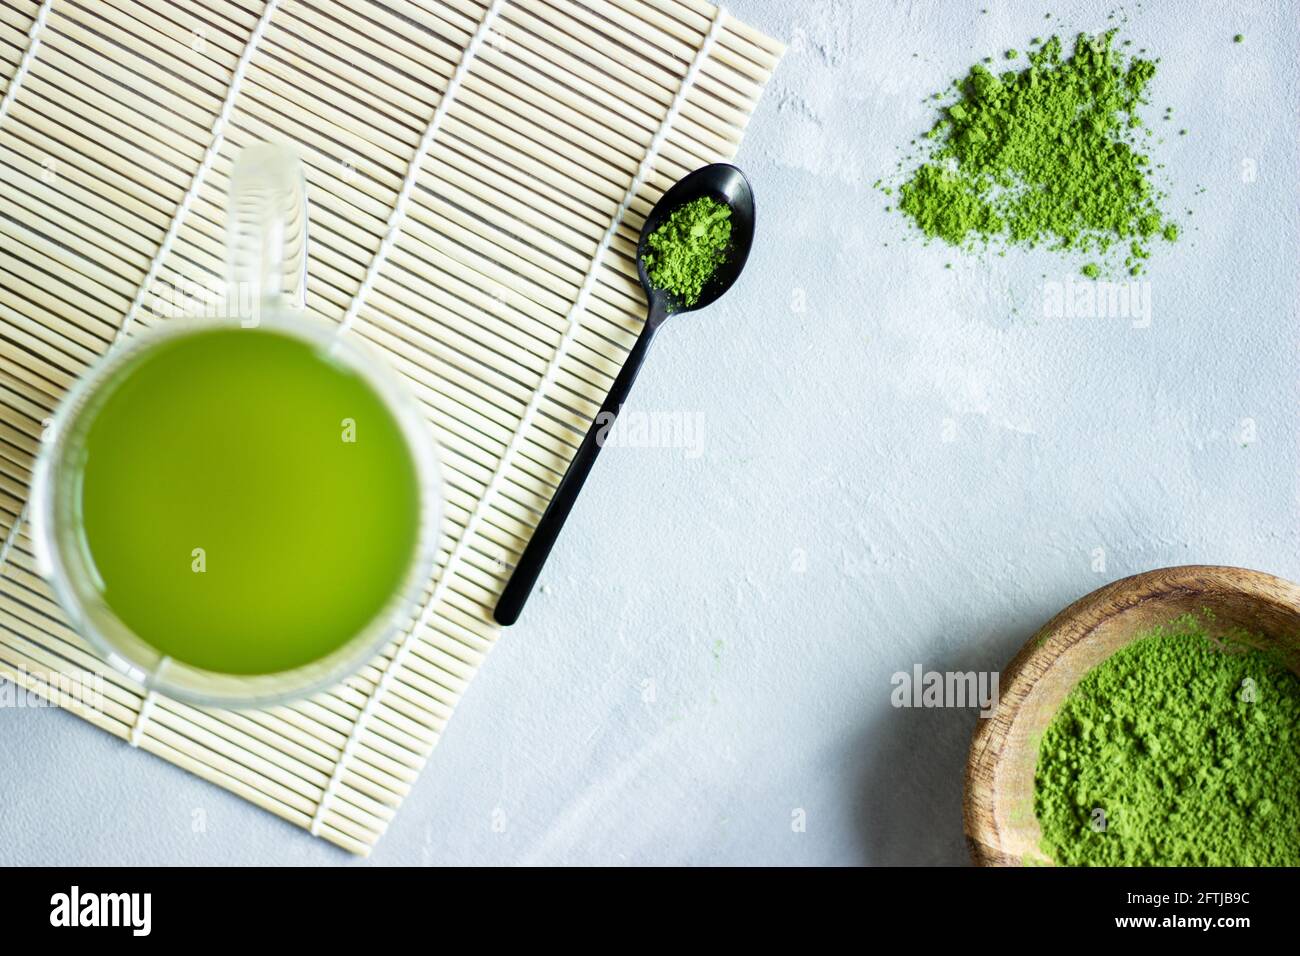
(267, 267)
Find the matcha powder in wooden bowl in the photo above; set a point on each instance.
(1177, 750)
(1051, 154)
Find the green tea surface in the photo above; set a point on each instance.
(248, 503)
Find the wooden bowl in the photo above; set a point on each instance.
(999, 804)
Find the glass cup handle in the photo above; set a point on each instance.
(266, 232)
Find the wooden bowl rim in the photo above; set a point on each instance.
(1067, 628)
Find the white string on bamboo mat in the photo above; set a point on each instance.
(29, 57)
(573, 326)
(12, 537)
(217, 138)
(391, 234)
(398, 215)
(178, 218)
(142, 718)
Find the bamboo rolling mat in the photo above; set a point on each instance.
(478, 173)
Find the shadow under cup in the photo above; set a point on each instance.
(337, 509)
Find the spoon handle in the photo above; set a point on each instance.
(521, 583)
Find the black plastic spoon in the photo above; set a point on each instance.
(724, 183)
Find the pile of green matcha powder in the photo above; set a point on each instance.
(1048, 154)
(1175, 751)
(685, 251)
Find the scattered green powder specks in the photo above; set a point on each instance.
(687, 248)
(1050, 154)
(1176, 751)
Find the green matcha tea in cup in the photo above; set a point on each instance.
(240, 509)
